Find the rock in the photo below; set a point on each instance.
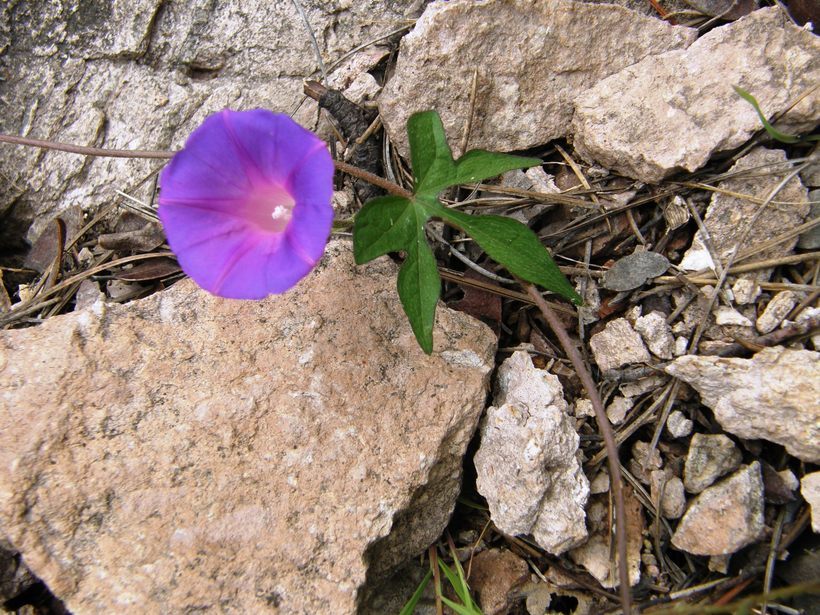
(710, 456)
(678, 425)
(568, 45)
(617, 409)
(725, 517)
(669, 492)
(526, 464)
(494, 575)
(810, 490)
(657, 334)
(776, 310)
(632, 271)
(725, 9)
(725, 315)
(728, 217)
(745, 291)
(541, 596)
(644, 460)
(810, 240)
(628, 124)
(189, 452)
(143, 74)
(775, 395)
(583, 407)
(618, 345)
(594, 555)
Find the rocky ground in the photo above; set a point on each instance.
(164, 451)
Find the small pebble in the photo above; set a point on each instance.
(777, 309)
(678, 425)
(710, 457)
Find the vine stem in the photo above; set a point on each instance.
(83, 150)
(615, 479)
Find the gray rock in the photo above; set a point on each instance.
(143, 74)
(668, 490)
(532, 58)
(634, 270)
(810, 240)
(725, 517)
(775, 395)
(728, 217)
(710, 456)
(527, 466)
(627, 123)
(618, 345)
(657, 334)
(189, 452)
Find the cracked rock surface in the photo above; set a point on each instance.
(185, 451)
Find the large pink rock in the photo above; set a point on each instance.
(189, 452)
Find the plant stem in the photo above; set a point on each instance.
(609, 439)
(165, 154)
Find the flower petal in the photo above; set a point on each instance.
(218, 195)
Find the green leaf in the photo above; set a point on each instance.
(390, 224)
(433, 166)
(773, 132)
(394, 224)
(410, 606)
(513, 245)
(461, 610)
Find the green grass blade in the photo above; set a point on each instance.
(410, 606)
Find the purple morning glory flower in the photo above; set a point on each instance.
(246, 204)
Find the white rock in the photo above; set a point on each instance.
(583, 407)
(526, 465)
(810, 490)
(642, 463)
(569, 45)
(599, 484)
(681, 345)
(725, 315)
(725, 517)
(775, 395)
(745, 291)
(776, 310)
(618, 345)
(618, 408)
(627, 123)
(678, 425)
(710, 456)
(657, 334)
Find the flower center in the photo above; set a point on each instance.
(270, 208)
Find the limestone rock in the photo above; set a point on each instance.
(532, 58)
(668, 491)
(657, 334)
(526, 464)
(710, 456)
(725, 517)
(594, 555)
(728, 217)
(810, 490)
(810, 240)
(775, 395)
(627, 123)
(190, 452)
(618, 345)
(776, 310)
(678, 425)
(142, 74)
(495, 573)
